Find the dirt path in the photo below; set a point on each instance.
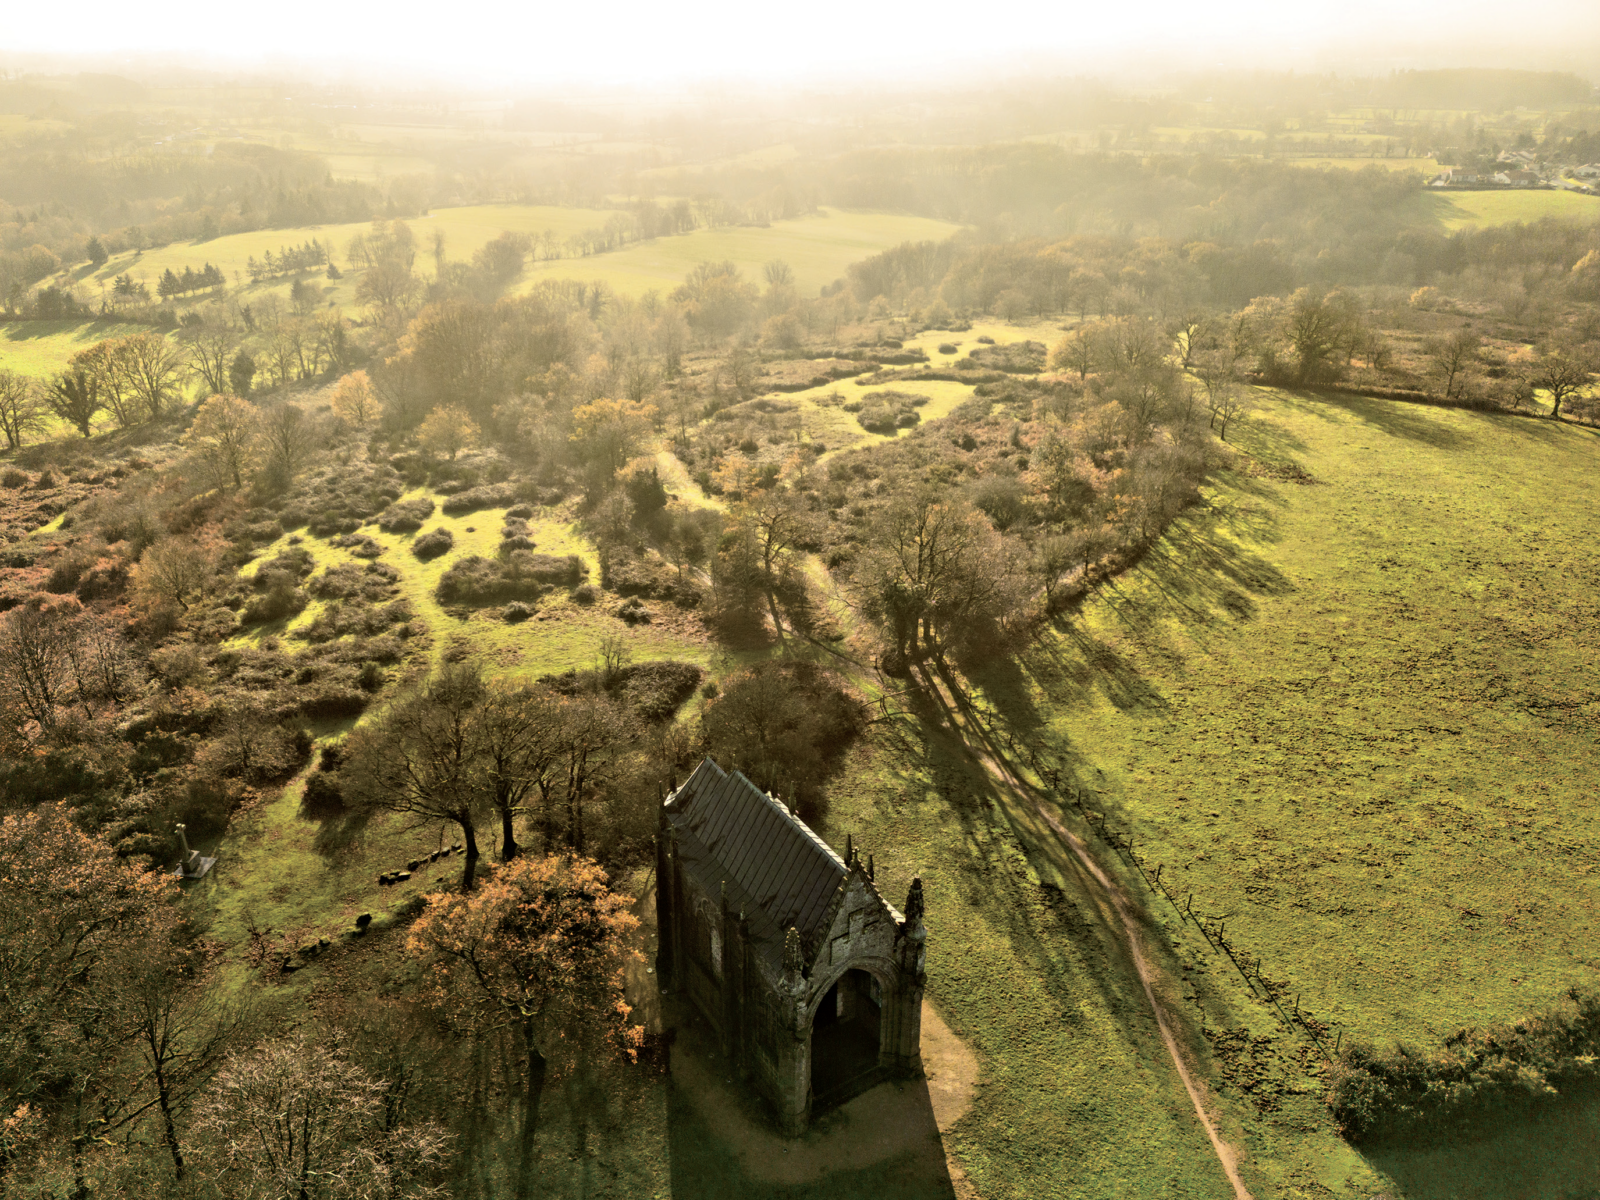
(1227, 1156)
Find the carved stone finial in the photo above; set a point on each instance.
(872, 867)
(914, 906)
(794, 952)
(849, 850)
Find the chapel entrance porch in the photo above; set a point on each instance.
(846, 1040)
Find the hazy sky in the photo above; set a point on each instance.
(657, 41)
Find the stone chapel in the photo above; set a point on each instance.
(811, 979)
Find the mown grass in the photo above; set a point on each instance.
(1457, 210)
(41, 348)
(818, 247)
(1354, 718)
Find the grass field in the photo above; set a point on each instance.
(1355, 719)
(41, 348)
(1427, 166)
(1457, 210)
(818, 247)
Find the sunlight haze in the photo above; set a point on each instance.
(640, 43)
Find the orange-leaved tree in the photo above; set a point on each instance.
(539, 949)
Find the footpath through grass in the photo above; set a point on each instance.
(1355, 718)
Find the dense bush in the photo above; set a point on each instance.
(346, 581)
(406, 516)
(492, 495)
(886, 411)
(518, 576)
(516, 611)
(784, 725)
(433, 543)
(1479, 1074)
(654, 690)
(278, 599)
(360, 545)
(1015, 358)
(634, 612)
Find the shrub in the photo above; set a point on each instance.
(521, 511)
(1479, 1074)
(884, 412)
(333, 702)
(360, 545)
(986, 340)
(654, 690)
(406, 516)
(519, 576)
(14, 478)
(433, 544)
(473, 499)
(948, 347)
(516, 611)
(585, 594)
(280, 599)
(322, 798)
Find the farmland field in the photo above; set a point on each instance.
(1457, 210)
(1353, 717)
(818, 247)
(41, 348)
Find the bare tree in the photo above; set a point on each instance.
(36, 661)
(75, 397)
(297, 1120)
(211, 350)
(22, 409)
(225, 439)
(153, 364)
(1453, 359)
(176, 570)
(288, 441)
(421, 760)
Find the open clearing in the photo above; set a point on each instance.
(1457, 210)
(818, 247)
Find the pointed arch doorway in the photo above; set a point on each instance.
(846, 1039)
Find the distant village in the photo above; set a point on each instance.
(1523, 169)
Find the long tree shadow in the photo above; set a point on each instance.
(1397, 418)
(1069, 938)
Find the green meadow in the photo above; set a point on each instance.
(1352, 716)
(41, 348)
(1457, 210)
(1343, 703)
(818, 247)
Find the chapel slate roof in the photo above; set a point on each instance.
(778, 872)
